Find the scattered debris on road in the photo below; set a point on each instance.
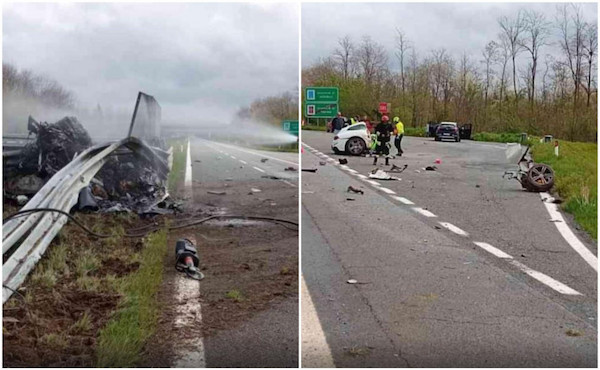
(431, 168)
(215, 192)
(354, 190)
(290, 168)
(397, 169)
(350, 199)
(352, 281)
(186, 259)
(343, 161)
(263, 160)
(322, 163)
(254, 190)
(438, 161)
(573, 333)
(313, 170)
(380, 174)
(270, 177)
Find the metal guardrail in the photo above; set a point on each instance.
(60, 192)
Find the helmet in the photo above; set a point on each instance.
(385, 118)
(396, 119)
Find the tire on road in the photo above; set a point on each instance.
(355, 146)
(540, 177)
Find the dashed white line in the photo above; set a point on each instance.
(423, 211)
(454, 229)
(258, 169)
(567, 234)
(402, 199)
(545, 279)
(289, 183)
(386, 190)
(373, 182)
(244, 162)
(362, 176)
(232, 157)
(493, 250)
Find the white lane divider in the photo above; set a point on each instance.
(187, 179)
(402, 200)
(289, 183)
(374, 183)
(362, 176)
(352, 171)
(386, 190)
(262, 155)
(454, 229)
(232, 157)
(315, 350)
(567, 233)
(259, 169)
(423, 211)
(493, 250)
(244, 162)
(545, 279)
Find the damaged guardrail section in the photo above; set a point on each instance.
(60, 192)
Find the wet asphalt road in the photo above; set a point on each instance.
(270, 338)
(431, 297)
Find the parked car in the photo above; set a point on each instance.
(447, 130)
(353, 139)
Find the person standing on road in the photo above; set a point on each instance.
(337, 123)
(399, 132)
(383, 130)
(368, 123)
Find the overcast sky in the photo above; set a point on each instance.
(458, 27)
(195, 59)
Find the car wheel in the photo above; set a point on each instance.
(540, 177)
(457, 139)
(438, 139)
(355, 146)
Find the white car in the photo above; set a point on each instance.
(353, 139)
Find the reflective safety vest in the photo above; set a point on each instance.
(400, 127)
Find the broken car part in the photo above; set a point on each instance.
(186, 259)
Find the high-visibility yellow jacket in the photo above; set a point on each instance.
(399, 128)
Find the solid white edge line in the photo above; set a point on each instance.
(232, 157)
(315, 349)
(258, 154)
(259, 169)
(352, 171)
(187, 179)
(454, 229)
(567, 233)
(423, 211)
(372, 182)
(401, 199)
(493, 250)
(545, 279)
(362, 176)
(289, 183)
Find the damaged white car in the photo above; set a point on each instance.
(353, 139)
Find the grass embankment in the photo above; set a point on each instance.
(314, 128)
(504, 137)
(178, 170)
(287, 148)
(121, 341)
(576, 179)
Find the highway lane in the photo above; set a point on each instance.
(261, 331)
(474, 308)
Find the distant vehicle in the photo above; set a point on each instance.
(466, 131)
(354, 139)
(447, 130)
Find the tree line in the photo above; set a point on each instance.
(514, 85)
(272, 110)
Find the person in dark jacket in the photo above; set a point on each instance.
(384, 131)
(337, 123)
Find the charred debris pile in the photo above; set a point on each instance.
(128, 181)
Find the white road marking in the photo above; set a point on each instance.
(244, 162)
(188, 313)
(568, 235)
(187, 179)
(401, 199)
(289, 183)
(258, 169)
(315, 350)
(373, 182)
(386, 190)
(545, 279)
(423, 211)
(344, 167)
(493, 250)
(454, 229)
(351, 170)
(233, 157)
(330, 159)
(362, 176)
(257, 154)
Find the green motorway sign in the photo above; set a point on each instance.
(321, 102)
(322, 94)
(290, 126)
(321, 110)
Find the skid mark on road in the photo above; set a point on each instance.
(552, 209)
(567, 233)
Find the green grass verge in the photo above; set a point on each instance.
(288, 148)
(314, 128)
(414, 131)
(122, 339)
(504, 137)
(178, 169)
(576, 179)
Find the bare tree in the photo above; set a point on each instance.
(590, 48)
(372, 59)
(343, 55)
(490, 57)
(512, 30)
(402, 46)
(537, 30)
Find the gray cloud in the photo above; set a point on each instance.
(458, 27)
(196, 59)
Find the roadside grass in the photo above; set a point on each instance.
(414, 131)
(503, 137)
(122, 339)
(576, 179)
(178, 169)
(235, 295)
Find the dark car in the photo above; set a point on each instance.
(447, 130)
